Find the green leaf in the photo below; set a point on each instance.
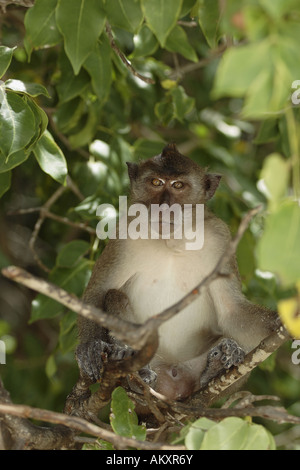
(123, 418)
(40, 123)
(81, 23)
(268, 131)
(68, 333)
(269, 92)
(278, 250)
(275, 177)
(40, 24)
(144, 148)
(164, 109)
(88, 207)
(73, 280)
(31, 89)
(183, 104)
(259, 438)
(245, 256)
(161, 16)
(17, 123)
(229, 434)
(145, 43)
(68, 322)
(6, 54)
(50, 158)
(209, 19)
(86, 134)
(70, 254)
(51, 367)
(68, 114)
(237, 434)
(98, 65)
(70, 86)
(262, 72)
(239, 67)
(177, 41)
(196, 433)
(187, 8)
(5, 181)
(279, 7)
(41, 118)
(14, 160)
(124, 14)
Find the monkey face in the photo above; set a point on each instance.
(170, 178)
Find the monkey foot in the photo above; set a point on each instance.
(225, 354)
(147, 375)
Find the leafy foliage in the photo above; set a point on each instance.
(229, 434)
(76, 103)
(123, 418)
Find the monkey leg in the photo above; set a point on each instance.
(222, 356)
(117, 302)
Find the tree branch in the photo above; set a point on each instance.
(31, 436)
(124, 59)
(127, 332)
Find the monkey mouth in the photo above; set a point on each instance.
(164, 229)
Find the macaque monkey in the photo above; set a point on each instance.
(140, 278)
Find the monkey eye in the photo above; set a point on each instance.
(156, 182)
(177, 185)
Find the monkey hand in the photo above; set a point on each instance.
(225, 354)
(93, 355)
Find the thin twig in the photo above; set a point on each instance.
(44, 213)
(66, 221)
(191, 67)
(78, 424)
(56, 217)
(188, 24)
(124, 59)
(56, 195)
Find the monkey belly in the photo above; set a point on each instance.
(185, 335)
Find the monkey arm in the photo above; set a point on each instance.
(96, 343)
(238, 318)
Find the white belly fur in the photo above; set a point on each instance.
(162, 277)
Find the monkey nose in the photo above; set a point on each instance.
(165, 198)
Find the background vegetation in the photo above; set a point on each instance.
(88, 85)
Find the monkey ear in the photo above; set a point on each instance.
(212, 181)
(132, 170)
